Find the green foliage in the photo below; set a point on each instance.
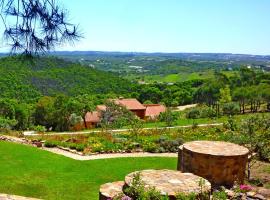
(115, 116)
(225, 95)
(50, 144)
(75, 119)
(39, 128)
(138, 191)
(169, 117)
(207, 112)
(183, 196)
(7, 124)
(48, 76)
(230, 108)
(193, 113)
(219, 195)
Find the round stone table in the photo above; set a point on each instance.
(111, 190)
(221, 163)
(170, 182)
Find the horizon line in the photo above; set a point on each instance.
(147, 52)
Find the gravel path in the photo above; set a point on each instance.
(32, 133)
(14, 197)
(107, 156)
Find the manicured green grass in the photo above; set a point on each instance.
(28, 171)
(186, 122)
(180, 77)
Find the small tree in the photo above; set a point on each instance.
(136, 127)
(230, 108)
(115, 116)
(169, 117)
(225, 95)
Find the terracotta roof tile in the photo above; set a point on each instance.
(92, 117)
(154, 110)
(130, 104)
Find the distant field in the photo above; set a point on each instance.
(28, 171)
(180, 77)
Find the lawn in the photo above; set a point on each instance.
(32, 172)
(182, 121)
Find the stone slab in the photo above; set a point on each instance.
(217, 148)
(111, 190)
(170, 182)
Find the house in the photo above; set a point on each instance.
(153, 111)
(148, 111)
(92, 119)
(132, 105)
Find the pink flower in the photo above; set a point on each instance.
(245, 188)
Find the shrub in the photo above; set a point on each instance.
(219, 195)
(39, 128)
(183, 196)
(194, 113)
(7, 123)
(80, 147)
(169, 145)
(230, 108)
(137, 190)
(207, 112)
(150, 147)
(50, 144)
(169, 117)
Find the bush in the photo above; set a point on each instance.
(50, 144)
(207, 112)
(183, 196)
(7, 123)
(169, 117)
(150, 147)
(80, 147)
(219, 195)
(169, 145)
(230, 108)
(194, 113)
(39, 128)
(137, 190)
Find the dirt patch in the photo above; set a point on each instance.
(181, 108)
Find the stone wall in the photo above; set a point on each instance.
(219, 162)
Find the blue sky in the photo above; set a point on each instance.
(229, 26)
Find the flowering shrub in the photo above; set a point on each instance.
(245, 188)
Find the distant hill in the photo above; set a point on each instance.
(184, 56)
(141, 64)
(28, 80)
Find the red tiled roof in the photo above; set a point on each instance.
(130, 104)
(92, 117)
(101, 107)
(153, 110)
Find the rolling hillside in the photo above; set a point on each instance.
(28, 80)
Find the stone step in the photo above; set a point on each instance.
(170, 182)
(111, 190)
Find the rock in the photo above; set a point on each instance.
(251, 194)
(170, 182)
(230, 193)
(37, 144)
(265, 192)
(260, 197)
(111, 190)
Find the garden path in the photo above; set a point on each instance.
(32, 133)
(107, 156)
